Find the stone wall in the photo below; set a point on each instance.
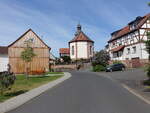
(129, 63)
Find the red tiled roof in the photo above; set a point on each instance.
(118, 48)
(3, 50)
(127, 30)
(81, 37)
(64, 50)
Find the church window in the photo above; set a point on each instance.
(72, 50)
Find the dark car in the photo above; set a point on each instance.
(115, 67)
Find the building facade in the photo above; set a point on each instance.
(127, 44)
(3, 58)
(81, 46)
(64, 52)
(40, 62)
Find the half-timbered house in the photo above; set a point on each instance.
(127, 44)
(39, 64)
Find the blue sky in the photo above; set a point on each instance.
(55, 20)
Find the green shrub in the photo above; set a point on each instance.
(146, 82)
(147, 69)
(6, 81)
(98, 68)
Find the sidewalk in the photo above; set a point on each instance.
(23, 98)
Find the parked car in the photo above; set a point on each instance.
(115, 67)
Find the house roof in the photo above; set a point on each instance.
(25, 34)
(118, 48)
(3, 50)
(139, 21)
(81, 37)
(64, 51)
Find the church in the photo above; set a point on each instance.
(81, 46)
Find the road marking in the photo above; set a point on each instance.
(136, 94)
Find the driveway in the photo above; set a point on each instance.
(131, 77)
(85, 92)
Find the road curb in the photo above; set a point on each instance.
(23, 98)
(136, 93)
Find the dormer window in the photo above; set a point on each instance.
(134, 23)
(132, 26)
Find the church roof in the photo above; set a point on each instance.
(80, 36)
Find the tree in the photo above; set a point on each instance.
(28, 54)
(147, 43)
(101, 58)
(66, 59)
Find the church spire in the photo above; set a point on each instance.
(79, 28)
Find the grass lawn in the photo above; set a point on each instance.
(23, 85)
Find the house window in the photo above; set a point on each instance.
(115, 54)
(134, 49)
(120, 53)
(128, 50)
(72, 50)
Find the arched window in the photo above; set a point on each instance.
(72, 50)
(90, 50)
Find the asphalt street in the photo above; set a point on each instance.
(85, 92)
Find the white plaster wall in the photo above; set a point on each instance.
(148, 25)
(140, 51)
(142, 32)
(144, 52)
(3, 62)
(83, 49)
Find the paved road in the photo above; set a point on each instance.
(85, 92)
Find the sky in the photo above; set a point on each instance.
(55, 21)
